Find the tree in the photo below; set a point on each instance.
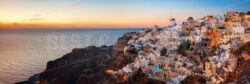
(183, 47)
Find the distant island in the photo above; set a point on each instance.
(210, 50)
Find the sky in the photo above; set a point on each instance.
(109, 13)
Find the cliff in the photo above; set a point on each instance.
(242, 73)
(87, 66)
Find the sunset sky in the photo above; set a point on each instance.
(108, 13)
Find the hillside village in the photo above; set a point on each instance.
(203, 47)
(210, 50)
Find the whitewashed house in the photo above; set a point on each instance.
(238, 31)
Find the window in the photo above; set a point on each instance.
(204, 44)
(191, 48)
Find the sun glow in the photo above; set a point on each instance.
(129, 13)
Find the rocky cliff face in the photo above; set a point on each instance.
(87, 66)
(242, 73)
(80, 66)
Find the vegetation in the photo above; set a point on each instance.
(183, 47)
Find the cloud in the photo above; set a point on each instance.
(35, 19)
(15, 23)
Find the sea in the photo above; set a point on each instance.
(26, 51)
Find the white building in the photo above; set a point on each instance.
(238, 31)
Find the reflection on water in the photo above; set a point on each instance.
(24, 52)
